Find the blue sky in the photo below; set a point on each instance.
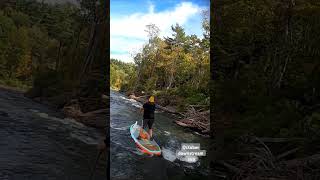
(129, 18)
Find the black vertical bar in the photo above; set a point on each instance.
(107, 13)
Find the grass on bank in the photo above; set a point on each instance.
(15, 84)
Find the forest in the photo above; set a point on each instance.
(266, 76)
(57, 53)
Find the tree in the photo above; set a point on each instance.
(94, 72)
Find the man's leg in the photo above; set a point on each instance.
(150, 133)
(145, 123)
(142, 127)
(141, 134)
(150, 123)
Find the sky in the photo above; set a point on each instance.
(128, 20)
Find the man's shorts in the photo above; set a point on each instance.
(148, 122)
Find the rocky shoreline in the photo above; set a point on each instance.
(71, 108)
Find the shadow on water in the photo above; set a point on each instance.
(127, 162)
(36, 142)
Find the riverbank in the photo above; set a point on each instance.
(96, 119)
(14, 84)
(71, 109)
(13, 88)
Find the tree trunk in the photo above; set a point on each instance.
(138, 78)
(58, 58)
(216, 17)
(170, 79)
(94, 82)
(288, 39)
(76, 54)
(152, 69)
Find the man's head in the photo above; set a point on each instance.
(151, 99)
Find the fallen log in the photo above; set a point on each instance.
(170, 110)
(280, 140)
(198, 105)
(103, 96)
(230, 167)
(219, 174)
(189, 123)
(195, 119)
(183, 124)
(142, 100)
(287, 153)
(310, 160)
(139, 98)
(95, 118)
(92, 113)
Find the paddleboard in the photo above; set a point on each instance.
(144, 144)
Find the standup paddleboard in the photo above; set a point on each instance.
(145, 145)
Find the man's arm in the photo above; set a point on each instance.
(142, 108)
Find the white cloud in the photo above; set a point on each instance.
(122, 57)
(123, 44)
(128, 32)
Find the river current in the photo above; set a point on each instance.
(127, 162)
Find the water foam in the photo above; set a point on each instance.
(125, 128)
(78, 130)
(168, 154)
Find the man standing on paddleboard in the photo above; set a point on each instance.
(148, 114)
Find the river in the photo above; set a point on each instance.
(37, 142)
(127, 162)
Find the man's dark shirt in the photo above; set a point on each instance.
(149, 109)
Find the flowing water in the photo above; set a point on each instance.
(127, 162)
(36, 143)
